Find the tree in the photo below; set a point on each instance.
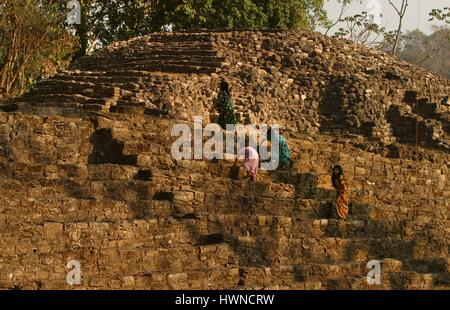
(116, 20)
(361, 29)
(401, 14)
(233, 14)
(33, 42)
(329, 24)
(187, 14)
(431, 52)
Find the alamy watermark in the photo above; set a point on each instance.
(74, 275)
(221, 143)
(374, 275)
(74, 12)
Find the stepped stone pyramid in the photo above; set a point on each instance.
(86, 172)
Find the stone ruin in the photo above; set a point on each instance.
(86, 172)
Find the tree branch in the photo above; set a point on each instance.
(343, 9)
(393, 5)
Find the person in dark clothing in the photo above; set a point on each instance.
(225, 106)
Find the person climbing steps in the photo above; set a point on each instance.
(284, 155)
(251, 162)
(224, 106)
(340, 186)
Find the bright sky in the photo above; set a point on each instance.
(416, 14)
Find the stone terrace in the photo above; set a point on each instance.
(86, 171)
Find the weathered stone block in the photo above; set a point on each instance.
(53, 229)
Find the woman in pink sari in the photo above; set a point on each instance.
(251, 161)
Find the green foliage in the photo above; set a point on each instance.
(187, 14)
(361, 29)
(294, 14)
(33, 42)
(116, 20)
(233, 14)
(441, 15)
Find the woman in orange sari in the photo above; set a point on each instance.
(340, 186)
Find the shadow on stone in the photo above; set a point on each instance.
(77, 190)
(210, 239)
(359, 211)
(161, 196)
(107, 150)
(324, 211)
(144, 175)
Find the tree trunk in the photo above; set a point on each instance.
(401, 13)
(82, 32)
(397, 36)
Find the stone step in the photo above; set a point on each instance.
(61, 97)
(193, 45)
(178, 37)
(128, 109)
(297, 227)
(186, 69)
(169, 41)
(131, 103)
(150, 45)
(91, 93)
(240, 196)
(189, 57)
(326, 274)
(125, 86)
(112, 72)
(175, 52)
(171, 232)
(397, 280)
(414, 280)
(98, 107)
(102, 80)
(50, 104)
(174, 62)
(304, 272)
(72, 87)
(329, 250)
(119, 262)
(153, 52)
(68, 83)
(210, 221)
(73, 98)
(184, 201)
(204, 278)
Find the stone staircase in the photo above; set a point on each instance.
(380, 131)
(103, 191)
(128, 79)
(186, 53)
(302, 81)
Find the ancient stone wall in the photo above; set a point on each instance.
(86, 171)
(158, 223)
